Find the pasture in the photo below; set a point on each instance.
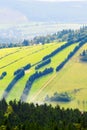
(25, 55)
(72, 78)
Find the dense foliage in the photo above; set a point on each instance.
(43, 64)
(26, 67)
(24, 116)
(64, 35)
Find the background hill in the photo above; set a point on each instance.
(51, 73)
(17, 33)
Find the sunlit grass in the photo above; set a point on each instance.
(31, 54)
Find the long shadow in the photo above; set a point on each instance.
(31, 80)
(25, 93)
(12, 83)
(28, 87)
(8, 89)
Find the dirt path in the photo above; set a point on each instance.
(44, 86)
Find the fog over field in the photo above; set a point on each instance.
(17, 33)
(25, 19)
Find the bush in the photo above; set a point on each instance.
(3, 75)
(62, 97)
(28, 66)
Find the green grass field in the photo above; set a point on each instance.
(57, 59)
(31, 54)
(72, 78)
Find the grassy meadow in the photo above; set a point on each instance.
(71, 79)
(25, 55)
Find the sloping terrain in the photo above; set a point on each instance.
(25, 55)
(70, 81)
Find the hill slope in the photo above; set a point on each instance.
(71, 79)
(69, 82)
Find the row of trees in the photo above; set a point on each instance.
(61, 65)
(40, 74)
(57, 50)
(64, 35)
(76, 37)
(19, 75)
(43, 64)
(24, 116)
(31, 80)
(26, 67)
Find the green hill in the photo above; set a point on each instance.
(71, 79)
(66, 87)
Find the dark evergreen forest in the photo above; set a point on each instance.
(23, 116)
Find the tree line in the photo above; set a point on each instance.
(61, 65)
(43, 64)
(26, 67)
(64, 35)
(23, 116)
(31, 80)
(70, 41)
(57, 51)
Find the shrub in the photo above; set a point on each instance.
(28, 66)
(3, 75)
